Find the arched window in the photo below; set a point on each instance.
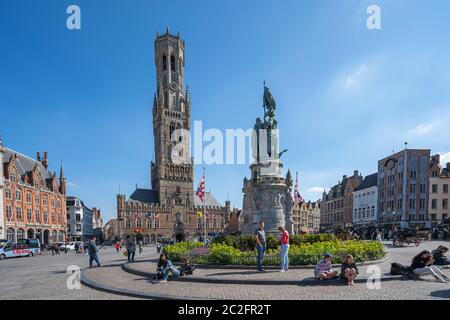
(164, 63)
(20, 234)
(127, 223)
(38, 216)
(60, 236)
(148, 223)
(11, 235)
(19, 213)
(138, 223)
(18, 195)
(9, 213)
(54, 236)
(172, 64)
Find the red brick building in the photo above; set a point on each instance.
(33, 198)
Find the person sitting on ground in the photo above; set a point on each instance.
(440, 259)
(324, 269)
(165, 267)
(186, 268)
(422, 265)
(349, 270)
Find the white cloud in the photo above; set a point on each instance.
(423, 128)
(355, 77)
(445, 157)
(316, 190)
(72, 184)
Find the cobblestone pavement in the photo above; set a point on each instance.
(398, 289)
(45, 277)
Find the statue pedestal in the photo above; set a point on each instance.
(267, 197)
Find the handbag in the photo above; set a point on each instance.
(125, 253)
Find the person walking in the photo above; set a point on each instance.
(284, 255)
(92, 251)
(378, 237)
(260, 238)
(117, 246)
(131, 249)
(140, 247)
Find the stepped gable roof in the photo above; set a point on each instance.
(26, 165)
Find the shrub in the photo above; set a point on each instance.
(178, 251)
(311, 238)
(301, 254)
(231, 241)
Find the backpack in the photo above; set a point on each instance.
(399, 269)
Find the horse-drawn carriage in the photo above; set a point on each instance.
(409, 236)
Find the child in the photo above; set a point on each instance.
(349, 270)
(186, 268)
(324, 270)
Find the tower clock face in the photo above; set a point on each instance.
(173, 86)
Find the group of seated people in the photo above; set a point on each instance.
(324, 269)
(165, 267)
(430, 263)
(425, 263)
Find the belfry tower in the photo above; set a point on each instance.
(172, 170)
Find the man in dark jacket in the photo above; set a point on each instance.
(131, 249)
(440, 259)
(92, 251)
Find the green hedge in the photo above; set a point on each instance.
(247, 242)
(302, 254)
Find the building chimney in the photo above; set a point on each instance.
(45, 161)
(38, 156)
(355, 173)
(448, 166)
(344, 177)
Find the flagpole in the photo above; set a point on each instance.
(204, 201)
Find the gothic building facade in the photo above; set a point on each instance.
(170, 208)
(34, 198)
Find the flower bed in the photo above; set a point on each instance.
(301, 254)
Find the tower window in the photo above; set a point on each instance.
(172, 64)
(164, 63)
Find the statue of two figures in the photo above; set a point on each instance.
(265, 135)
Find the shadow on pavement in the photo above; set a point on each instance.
(445, 294)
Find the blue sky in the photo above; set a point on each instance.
(346, 96)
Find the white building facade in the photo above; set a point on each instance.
(365, 198)
(79, 220)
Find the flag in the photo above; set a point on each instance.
(148, 215)
(297, 196)
(199, 213)
(201, 190)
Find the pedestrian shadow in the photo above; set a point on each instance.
(250, 272)
(445, 294)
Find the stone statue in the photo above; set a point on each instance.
(269, 108)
